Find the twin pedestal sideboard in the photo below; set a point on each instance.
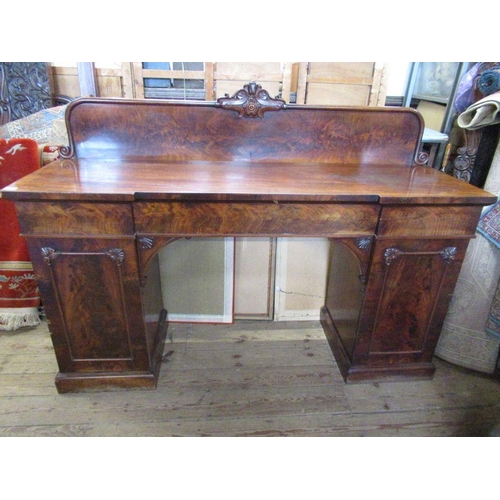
(139, 174)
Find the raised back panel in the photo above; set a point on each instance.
(177, 131)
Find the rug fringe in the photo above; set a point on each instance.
(14, 321)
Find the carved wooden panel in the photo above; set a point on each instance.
(24, 89)
(86, 316)
(407, 303)
(260, 219)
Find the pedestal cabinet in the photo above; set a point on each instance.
(88, 273)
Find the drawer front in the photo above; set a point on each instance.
(429, 221)
(54, 218)
(259, 219)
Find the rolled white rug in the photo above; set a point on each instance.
(482, 113)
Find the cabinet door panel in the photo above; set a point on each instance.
(407, 296)
(85, 283)
(407, 304)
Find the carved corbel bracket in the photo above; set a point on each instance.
(148, 246)
(360, 248)
(252, 101)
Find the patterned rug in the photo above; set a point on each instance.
(489, 227)
(489, 224)
(19, 296)
(492, 326)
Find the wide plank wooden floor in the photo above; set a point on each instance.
(247, 379)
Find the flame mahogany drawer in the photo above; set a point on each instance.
(75, 218)
(429, 221)
(261, 218)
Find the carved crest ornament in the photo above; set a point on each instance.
(252, 101)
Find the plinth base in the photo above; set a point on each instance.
(108, 381)
(105, 381)
(363, 373)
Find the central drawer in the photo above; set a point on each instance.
(255, 218)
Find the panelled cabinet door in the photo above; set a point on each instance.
(408, 291)
(92, 297)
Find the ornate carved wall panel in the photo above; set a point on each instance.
(24, 89)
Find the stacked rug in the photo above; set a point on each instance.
(19, 296)
(489, 227)
(483, 113)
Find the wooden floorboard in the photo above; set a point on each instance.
(247, 379)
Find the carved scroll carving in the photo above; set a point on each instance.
(422, 158)
(252, 101)
(391, 254)
(49, 254)
(466, 156)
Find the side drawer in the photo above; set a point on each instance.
(53, 218)
(259, 219)
(429, 221)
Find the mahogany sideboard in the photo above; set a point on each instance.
(139, 174)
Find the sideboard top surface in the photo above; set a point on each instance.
(249, 147)
(117, 180)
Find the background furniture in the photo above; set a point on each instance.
(464, 340)
(26, 88)
(431, 89)
(32, 130)
(29, 107)
(470, 336)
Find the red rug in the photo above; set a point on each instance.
(19, 296)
